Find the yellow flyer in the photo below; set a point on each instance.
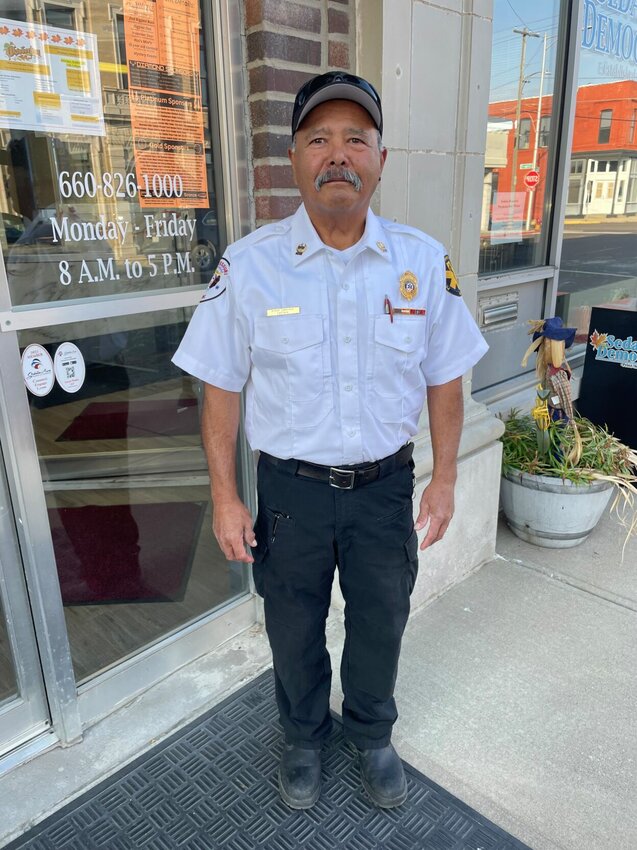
(49, 79)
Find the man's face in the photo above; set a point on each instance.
(336, 162)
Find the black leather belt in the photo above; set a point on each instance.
(344, 477)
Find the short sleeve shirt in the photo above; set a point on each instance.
(335, 349)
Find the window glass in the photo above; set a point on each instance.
(8, 689)
(519, 147)
(59, 16)
(599, 253)
(106, 160)
(525, 133)
(605, 119)
(106, 152)
(120, 41)
(125, 477)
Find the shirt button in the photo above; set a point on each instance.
(348, 339)
(285, 340)
(348, 388)
(346, 286)
(351, 433)
(407, 339)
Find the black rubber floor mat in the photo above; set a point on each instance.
(213, 786)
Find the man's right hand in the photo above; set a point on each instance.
(232, 526)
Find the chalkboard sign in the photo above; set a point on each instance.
(608, 393)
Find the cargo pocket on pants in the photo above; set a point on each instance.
(411, 552)
(259, 553)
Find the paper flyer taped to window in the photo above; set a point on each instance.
(507, 217)
(49, 80)
(162, 50)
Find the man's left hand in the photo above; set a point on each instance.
(436, 508)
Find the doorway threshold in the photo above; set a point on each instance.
(49, 779)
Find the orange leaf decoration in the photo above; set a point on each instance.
(599, 340)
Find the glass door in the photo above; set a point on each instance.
(110, 231)
(23, 709)
(126, 486)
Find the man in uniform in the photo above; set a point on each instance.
(338, 324)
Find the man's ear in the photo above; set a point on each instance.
(383, 157)
(291, 158)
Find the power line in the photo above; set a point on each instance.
(536, 22)
(516, 14)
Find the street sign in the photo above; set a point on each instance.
(531, 179)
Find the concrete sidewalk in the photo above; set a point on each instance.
(516, 693)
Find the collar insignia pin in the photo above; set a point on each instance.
(382, 247)
(408, 285)
(301, 249)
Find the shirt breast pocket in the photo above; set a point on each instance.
(398, 384)
(292, 347)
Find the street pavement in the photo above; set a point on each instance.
(518, 690)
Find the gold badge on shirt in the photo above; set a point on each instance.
(300, 249)
(408, 285)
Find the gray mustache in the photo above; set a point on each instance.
(338, 174)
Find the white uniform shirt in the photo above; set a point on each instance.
(329, 377)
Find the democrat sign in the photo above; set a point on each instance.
(610, 29)
(609, 382)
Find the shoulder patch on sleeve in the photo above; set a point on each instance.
(451, 279)
(217, 285)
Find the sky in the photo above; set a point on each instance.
(543, 18)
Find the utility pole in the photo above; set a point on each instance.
(538, 125)
(525, 33)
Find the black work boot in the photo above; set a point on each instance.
(300, 776)
(383, 776)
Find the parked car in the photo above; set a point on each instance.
(204, 254)
(33, 264)
(14, 226)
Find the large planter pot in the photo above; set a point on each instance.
(551, 512)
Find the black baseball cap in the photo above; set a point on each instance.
(337, 85)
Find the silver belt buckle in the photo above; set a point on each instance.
(342, 479)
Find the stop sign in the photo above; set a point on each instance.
(531, 179)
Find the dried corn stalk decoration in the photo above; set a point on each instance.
(554, 400)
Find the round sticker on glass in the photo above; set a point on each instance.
(70, 369)
(37, 370)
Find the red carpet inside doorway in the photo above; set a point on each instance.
(125, 553)
(120, 420)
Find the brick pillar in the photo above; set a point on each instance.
(287, 41)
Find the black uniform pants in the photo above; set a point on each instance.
(304, 529)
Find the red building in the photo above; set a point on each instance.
(603, 174)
